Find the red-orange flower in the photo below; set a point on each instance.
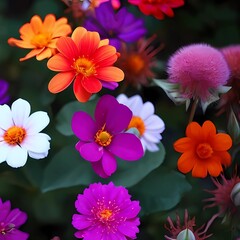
(203, 150)
(41, 36)
(86, 60)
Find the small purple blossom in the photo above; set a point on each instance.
(118, 27)
(103, 138)
(106, 212)
(4, 97)
(10, 221)
(199, 69)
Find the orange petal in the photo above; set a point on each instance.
(103, 42)
(194, 131)
(61, 21)
(92, 85)
(78, 34)
(88, 44)
(26, 31)
(36, 24)
(208, 129)
(221, 142)
(184, 144)
(68, 48)
(31, 54)
(224, 157)
(46, 53)
(112, 74)
(59, 63)
(63, 30)
(49, 22)
(81, 94)
(199, 170)
(186, 162)
(20, 43)
(60, 82)
(214, 168)
(105, 56)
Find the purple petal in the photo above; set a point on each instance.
(109, 163)
(118, 118)
(91, 152)
(132, 210)
(82, 205)
(16, 234)
(80, 222)
(105, 15)
(109, 85)
(16, 217)
(98, 169)
(126, 146)
(83, 126)
(117, 43)
(105, 103)
(129, 228)
(4, 209)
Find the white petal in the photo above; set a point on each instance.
(151, 147)
(37, 143)
(122, 98)
(20, 112)
(6, 117)
(135, 103)
(37, 122)
(17, 157)
(151, 137)
(37, 155)
(154, 123)
(147, 110)
(4, 149)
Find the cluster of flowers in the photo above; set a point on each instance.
(197, 72)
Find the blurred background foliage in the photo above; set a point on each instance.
(47, 189)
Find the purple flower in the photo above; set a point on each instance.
(103, 138)
(4, 97)
(10, 221)
(118, 27)
(106, 213)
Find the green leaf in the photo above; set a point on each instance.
(161, 190)
(130, 173)
(64, 116)
(67, 169)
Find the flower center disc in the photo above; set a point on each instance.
(138, 123)
(41, 40)
(105, 214)
(14, 135)
(204, 150)
(103, 138)
(135, 63)
(84, 66)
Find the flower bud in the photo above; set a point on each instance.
(235, 195)
(186, 234)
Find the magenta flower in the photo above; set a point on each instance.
(106, 213)
(104, 138)
(10, 221)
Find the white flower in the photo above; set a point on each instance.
(149, 125)
(20, 134)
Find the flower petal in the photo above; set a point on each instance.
(221, 142)
(36, 24)
(92, 84)
(36, 122)
(147, 110)
(60, 82)
(46, 53)
(16, 217)
(109, 163)
(80, 222)
(31, 54)
(6, 117)
(80, 93)
(129, 228)
(214, 168)
(194, 130)
(78, 34)
(4, 150)
(186, 162)
(68, 48)
(98, 169)
(91, 152)
(112, 74)
(59, 63)
(183, 144)
(17, 157)
(126, 146)
(20, 112)
(199, 170)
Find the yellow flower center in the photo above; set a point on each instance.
(204, 150)
(105, 214)
(103, 137)
(135, 63)
(138, 123)
(41, 40)
(14, 135)
(84, 66)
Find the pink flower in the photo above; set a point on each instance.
(199, 69)
(106, 212)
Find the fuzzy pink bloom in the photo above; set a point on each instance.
(106, 212)
(199, 69)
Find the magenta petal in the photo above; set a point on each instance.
(118, 118)
(83, 126)
(104, 104)
(16, 217)
(91, 152)
(132, 210)
(126, 146)
(80, 222)
(129, 228)
(109, 163)
(98, 169)
(16, 234)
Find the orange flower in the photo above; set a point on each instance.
(86, 60)
(40, 36)
(203, 150)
